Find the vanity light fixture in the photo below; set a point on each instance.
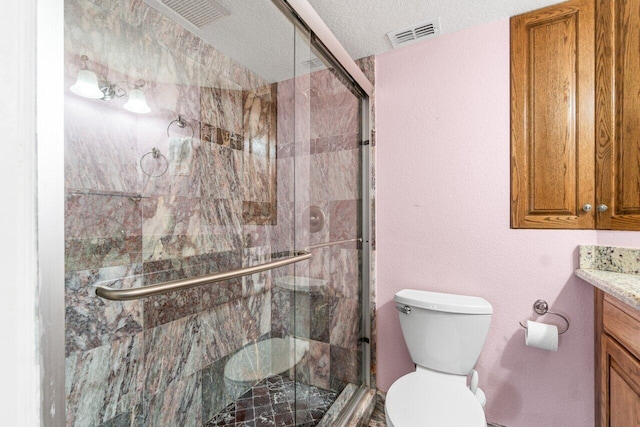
(137, 102)
(87, 85)
(87, 82)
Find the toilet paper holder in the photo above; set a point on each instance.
(541, 307)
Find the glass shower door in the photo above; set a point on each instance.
(326, 303)
(198, 142)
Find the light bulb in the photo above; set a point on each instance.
(137, 102)
(87, 85)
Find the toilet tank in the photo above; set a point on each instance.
(444, 332)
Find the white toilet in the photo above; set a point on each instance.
(445, 334)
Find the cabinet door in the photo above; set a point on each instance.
(620, 386)
(618, 114)
(552, 114)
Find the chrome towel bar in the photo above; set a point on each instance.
(178, 285)
(337, 242)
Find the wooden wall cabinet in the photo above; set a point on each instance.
(575, 116)
(617, 363)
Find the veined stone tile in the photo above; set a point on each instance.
(260, 213)
(344, 175)
(320, 308)
(320, 264)
(133, 418)
(215, 394)
(180, 404)
(228, 290)
(222, 238)
(222, 107)
(319, 364)
(320, 184)
(95, 253)
(86, 148)
(227, 163)
(345, 272)
(101, 230)
(344, 220)
(101, 216)
(302, 178)
(301, 315)
(259, 116)
(345, 323)
(286, 117)
(259, 282)
(281, 311)
(169, 227)
(256, 178)
(345, 366)
(254, 314)
(222, 212)
(92, 322)
(285, 183)
(368, 66)
(166, 308)
(173, 352)
(104, 381)
(221, 332)
(334, 113)
(350, 141)
(256, 235)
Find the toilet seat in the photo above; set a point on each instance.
(416, 401)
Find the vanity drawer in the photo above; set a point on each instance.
(623, 323)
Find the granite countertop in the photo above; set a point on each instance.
(615, 271)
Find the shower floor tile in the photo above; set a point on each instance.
(276, 401)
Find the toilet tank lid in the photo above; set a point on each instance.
(449, 303)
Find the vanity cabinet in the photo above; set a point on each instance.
(575, 116)
(617, 363)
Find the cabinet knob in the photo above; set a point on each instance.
(602, 207)
(587, 207)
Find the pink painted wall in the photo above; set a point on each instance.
(443, 225)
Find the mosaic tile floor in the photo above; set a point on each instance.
(276, 401)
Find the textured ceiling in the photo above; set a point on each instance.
(258, 36)
(362, 25)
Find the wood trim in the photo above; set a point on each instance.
(622, 326)
(615, 357)
(599, 353)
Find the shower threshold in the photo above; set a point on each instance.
(276, 401)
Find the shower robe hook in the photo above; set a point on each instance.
(541, 307)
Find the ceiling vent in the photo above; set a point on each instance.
(193, 14)
(415, 33)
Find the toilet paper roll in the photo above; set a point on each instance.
(541, 335)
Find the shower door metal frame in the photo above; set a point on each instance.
(50, 210)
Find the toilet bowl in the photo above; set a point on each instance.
(413, 402)
(444, 334)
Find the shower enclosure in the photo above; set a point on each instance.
(202, 138)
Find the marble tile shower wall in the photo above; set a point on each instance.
(324, 152)
(160, 361)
